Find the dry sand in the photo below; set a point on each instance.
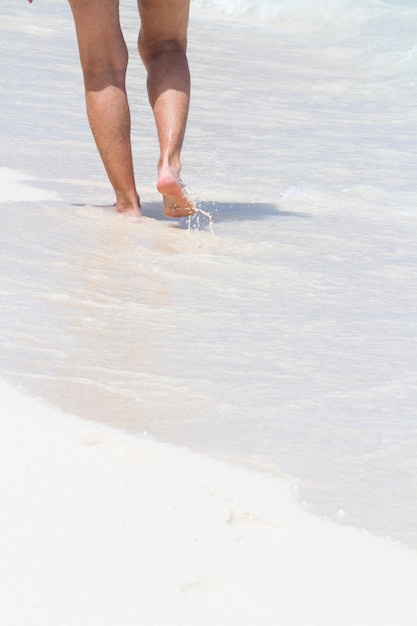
(101, 528)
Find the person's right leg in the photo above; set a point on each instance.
(162, 46)
(104, 57)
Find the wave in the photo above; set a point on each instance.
(311, 13)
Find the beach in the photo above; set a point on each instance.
(99, 527)
(213, 421)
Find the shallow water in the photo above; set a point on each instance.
(285, 339)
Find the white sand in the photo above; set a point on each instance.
(98, 527)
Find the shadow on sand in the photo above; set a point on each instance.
(222, 212)
(212, 212)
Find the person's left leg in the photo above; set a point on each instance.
(162, 46)
(104, 58)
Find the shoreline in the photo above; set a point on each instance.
(102, 527)
(295, 345)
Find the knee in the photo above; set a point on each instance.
(102, 70)
(149, 49)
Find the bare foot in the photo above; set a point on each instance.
(132, 210)
(176, 202)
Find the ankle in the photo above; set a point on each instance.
(127, 202)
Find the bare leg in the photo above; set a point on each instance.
(104, 58)
(162, 46)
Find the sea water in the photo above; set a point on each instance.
(285, 338)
